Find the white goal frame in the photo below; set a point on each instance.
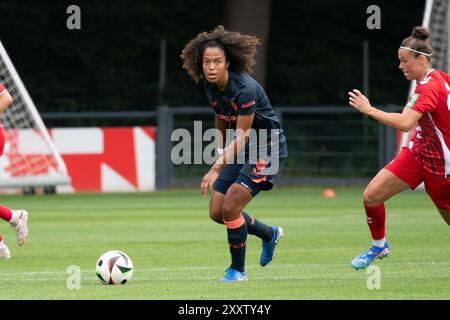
(60, 176)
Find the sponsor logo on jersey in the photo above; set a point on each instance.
(226, 118)
(412, 100)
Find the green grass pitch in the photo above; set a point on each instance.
(178, 253)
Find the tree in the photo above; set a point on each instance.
(251, 17)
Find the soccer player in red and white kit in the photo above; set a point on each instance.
(17, 218)
(426, 158)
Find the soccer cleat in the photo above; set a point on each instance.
(366, 258)
(4, 251)
(21, 227)
(268, 248)
(233, 275)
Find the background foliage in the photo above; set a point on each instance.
(112, 63)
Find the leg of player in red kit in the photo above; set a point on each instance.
(4, 251)
(383, 186)
(18, 219)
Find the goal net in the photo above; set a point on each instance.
(436, 19)
(30, 158)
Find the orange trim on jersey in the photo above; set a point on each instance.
(248, 104)
(235, 223)
(233, 105)
(260, 179)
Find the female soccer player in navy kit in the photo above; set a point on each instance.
(16, 218)
(426, 158)
(223, 59)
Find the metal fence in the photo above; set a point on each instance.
(328, 145)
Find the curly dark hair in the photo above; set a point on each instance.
(240, 51)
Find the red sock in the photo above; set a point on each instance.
(5, 213)
(376, 218)
(1, 238)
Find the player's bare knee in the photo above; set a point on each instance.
(216, 216)
(229, 212)
(371, 198)
(215, 209)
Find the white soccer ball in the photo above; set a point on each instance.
(114, 267)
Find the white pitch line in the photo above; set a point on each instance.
(171, 279)
(200, 268)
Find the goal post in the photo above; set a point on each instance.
(30, 158)
(436, 18)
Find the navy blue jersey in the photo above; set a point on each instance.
(242, 96)
(245, 96)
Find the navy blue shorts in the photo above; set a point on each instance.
(251, 176)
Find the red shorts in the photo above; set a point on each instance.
(405, 167)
